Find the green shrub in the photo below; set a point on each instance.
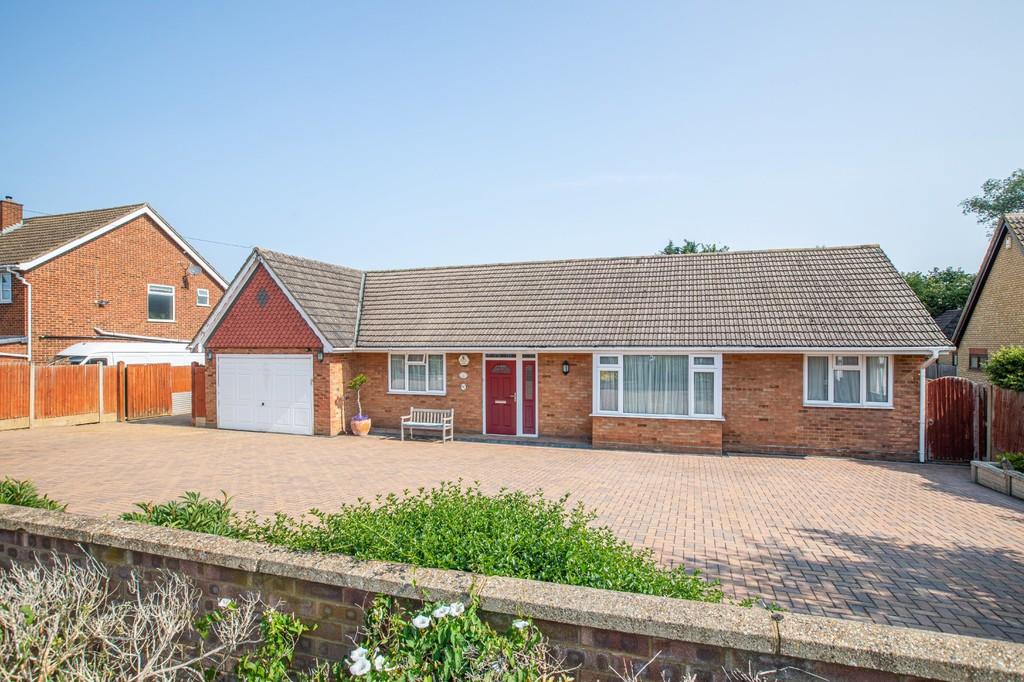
(191, 512)
(24, 494)
(1005, 368)
(1016, 460)
(510, 534)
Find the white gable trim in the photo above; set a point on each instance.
(145, 210)
(237, 285)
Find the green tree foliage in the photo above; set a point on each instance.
(997, 197)
(1005, 368)
(941, 290)
(688, 246)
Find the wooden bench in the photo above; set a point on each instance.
(430, 420)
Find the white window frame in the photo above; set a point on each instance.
(200, 292)
(692, 369)
(6, 287)
(174, 303)
(862, 366)
(426, 363)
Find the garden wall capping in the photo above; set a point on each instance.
(900, 652)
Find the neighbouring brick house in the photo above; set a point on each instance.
(994, 314)
(813, 351)
(113, 273)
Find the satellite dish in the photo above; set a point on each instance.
(194, 270)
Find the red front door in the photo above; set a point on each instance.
(501, 397)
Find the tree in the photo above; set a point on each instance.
(671, 249)
(941, 290)
(997, 197)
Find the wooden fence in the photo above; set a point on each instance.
(1007, 421)
(36, 395)
(955, 414)
(198, 388)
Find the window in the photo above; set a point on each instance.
(161, 303)
(977, 358)
(416, 373)
(203, 297)
(848, 380)
(658, 385)
(5, 287)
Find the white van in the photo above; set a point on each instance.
(128, 352)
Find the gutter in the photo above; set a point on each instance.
(137, 337)
(923, 400)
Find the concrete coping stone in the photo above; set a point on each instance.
(897, 650)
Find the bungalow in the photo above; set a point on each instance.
(796, 351)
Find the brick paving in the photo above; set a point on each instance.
(903, 544)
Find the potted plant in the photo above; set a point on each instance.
(360, 422)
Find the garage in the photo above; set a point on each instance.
(265, 393)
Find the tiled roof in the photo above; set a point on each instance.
(947, 321)
(1015, 221)
(329, 294)
(41, 235)
(820, 297)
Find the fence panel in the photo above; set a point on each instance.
(148, 390)
(110, 377)
(198, 392)
(14, 385)
(67, 390)
(1007, 421)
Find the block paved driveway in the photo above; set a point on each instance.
(904, 544)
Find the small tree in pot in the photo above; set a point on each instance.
(360, 422)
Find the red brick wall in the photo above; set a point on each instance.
(273, 324)
(664, 435)
(12, 315)
(116, 267)
(566, 401)
(387, 409)
(764, 412)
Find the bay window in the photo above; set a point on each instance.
(416, 373)
(848, 380)
(658, 385)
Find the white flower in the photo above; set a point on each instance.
(360, 667)
(441, 611)
(457, 608)
(378, 663)
(224, 603)
(421, 621)
(520, 624)
(358, 653)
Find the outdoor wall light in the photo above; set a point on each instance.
(320, 356)
(565, 367)
(209, 355)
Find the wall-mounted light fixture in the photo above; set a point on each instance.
(209, 355)
(320, 356)
(565, 367)
(102, 302)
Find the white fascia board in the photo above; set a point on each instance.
(214, 318)
(145, 210)
(328, 348)
(888, 350)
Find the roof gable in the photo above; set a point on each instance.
(1011, 226)
(43, 238)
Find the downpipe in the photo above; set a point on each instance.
(923, 399)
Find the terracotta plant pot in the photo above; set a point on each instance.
(360, 427)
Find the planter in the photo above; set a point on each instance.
(360, 427)
(994, 476)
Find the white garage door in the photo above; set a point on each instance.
(265, 393)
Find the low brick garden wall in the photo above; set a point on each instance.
(595, 629)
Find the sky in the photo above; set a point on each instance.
(386, 135)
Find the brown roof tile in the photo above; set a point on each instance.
(41, 235)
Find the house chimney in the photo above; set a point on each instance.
(10, 213)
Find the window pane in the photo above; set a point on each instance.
(703, 393)
(847, 361)
(878, 380)
(710, 362)
(417, 377)
(609, 391)
(203, 296)
(847, 386)
(528, 382)
(817, 378)
(435, 363)
(416, 358)
(161, 306)
(655, 384)
(397, 372)
(608, 360)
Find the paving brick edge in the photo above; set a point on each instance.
(896, 650)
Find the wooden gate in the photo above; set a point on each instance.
(148, 390)
(955, 416)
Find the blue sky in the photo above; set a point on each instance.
(412, 134)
